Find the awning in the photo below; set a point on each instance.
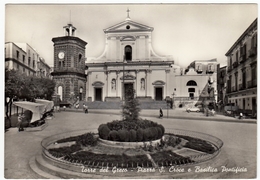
(49, 104)
(36, 108)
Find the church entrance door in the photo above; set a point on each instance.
(98, 94)
(127, 86)
(158, 93)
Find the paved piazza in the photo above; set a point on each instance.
(239, 140)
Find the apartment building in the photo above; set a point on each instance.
(242, 71)
(221, 84)
(24, 58)
(197, 84)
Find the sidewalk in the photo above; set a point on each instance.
(177, 113)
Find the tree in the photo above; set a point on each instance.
(21, 86)
(130, 107)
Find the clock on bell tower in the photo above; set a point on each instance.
(69, 65)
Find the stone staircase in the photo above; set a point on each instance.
(117, 105)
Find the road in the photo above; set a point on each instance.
(239, 139)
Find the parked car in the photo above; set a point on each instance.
(193, 109)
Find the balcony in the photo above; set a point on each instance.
(252, 52)
(240, 87)
(210, 71)
(235, 64)
(199, 71)
(252, 84)
(233, 89)
(249, 84)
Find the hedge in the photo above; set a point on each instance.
(131, 131)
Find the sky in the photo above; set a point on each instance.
(187, 31)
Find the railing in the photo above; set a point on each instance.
(73, 162)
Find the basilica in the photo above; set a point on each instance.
(128, 61)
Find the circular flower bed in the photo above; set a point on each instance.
(131, 131)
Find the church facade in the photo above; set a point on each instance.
(129, 61)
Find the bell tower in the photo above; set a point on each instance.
(69, 65)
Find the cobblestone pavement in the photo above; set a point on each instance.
(239, 139)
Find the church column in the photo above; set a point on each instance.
(167, 71)
(89, 87)
(117, 82)
(147, 47)
(148, 84)
(107, 81)
(118, 49)
(136, 82)
(137, 48)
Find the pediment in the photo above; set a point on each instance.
(158, 83)
(128, 25)
(128, 77)
(98, 83)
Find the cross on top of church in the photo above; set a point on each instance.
(128, 17)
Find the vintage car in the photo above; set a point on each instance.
(193, 109)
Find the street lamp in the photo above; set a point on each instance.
(123, 98)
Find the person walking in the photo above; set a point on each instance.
(85, 108)
(20, 122)
(160, 113)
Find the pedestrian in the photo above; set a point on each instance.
(57, 102)
(20, 122)
(161, 113)
(241, 116)
(85, 108)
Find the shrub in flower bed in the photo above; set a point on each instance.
(91, 158)
(133, 131)
(198, 144)
(169, 158)
(62, 151)
(172, 141)
(113, 135)
(73, 138)
(87, 140)
(103, 131)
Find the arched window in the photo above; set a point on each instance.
(142, 84)
(128, 53)
(60, 91)
(191, 83)
(80, 57)
(113, 84)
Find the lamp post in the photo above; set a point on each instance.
(123, 80)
